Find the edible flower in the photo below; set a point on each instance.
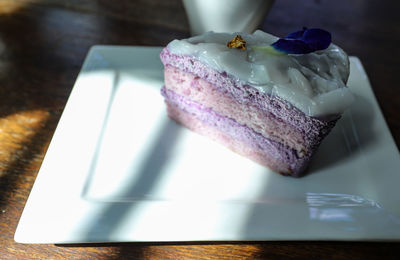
(237, 43)
(299, 42)
(304, 41)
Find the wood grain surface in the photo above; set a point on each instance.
(43, 44)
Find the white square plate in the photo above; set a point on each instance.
(118, 170)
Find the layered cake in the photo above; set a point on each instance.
(271, 100)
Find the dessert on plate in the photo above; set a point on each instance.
(271, 100)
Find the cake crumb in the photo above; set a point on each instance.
(237, 43)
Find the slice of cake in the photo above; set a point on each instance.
(246, 92)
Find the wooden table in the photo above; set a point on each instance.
(43, 44)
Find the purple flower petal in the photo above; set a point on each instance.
(318, 39)
(295, 35)
(304, 41)
(292, 46)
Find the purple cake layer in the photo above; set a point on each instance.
(201, 91)
(246, 135)
(312, 129)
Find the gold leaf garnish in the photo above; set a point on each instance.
(237, 43)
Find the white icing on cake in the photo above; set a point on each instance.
(315, 82)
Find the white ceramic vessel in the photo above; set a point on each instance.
(226, 15)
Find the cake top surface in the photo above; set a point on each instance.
(314, 82)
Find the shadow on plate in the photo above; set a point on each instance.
(352, 134)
